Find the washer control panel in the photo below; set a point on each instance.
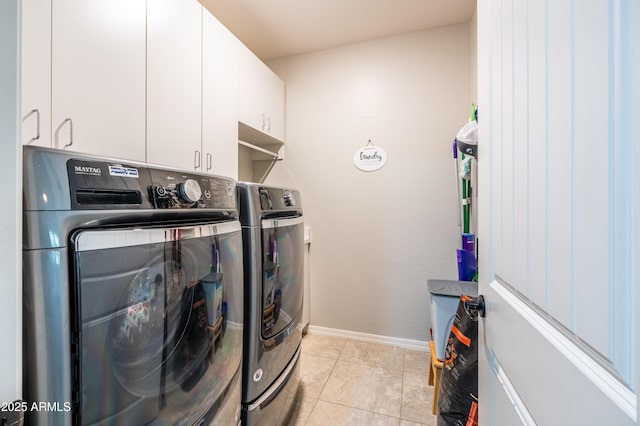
(95, 184)
(179, 190)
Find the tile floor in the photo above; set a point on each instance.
(347, 382)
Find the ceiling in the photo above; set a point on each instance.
(278, 28)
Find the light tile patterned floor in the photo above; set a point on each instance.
(347, 382)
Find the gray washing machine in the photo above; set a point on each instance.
(133, 293)
(273, 235)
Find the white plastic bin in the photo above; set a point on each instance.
(445, 295)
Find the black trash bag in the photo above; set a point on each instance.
(458, 401)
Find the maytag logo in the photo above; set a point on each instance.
(87, 170)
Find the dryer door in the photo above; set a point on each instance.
(282, 273)
(158, 319)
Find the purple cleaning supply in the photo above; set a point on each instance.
(466, 265)
(468, 242)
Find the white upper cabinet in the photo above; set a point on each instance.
(36, 74)
(174, 83)
(219, 99)
(261, 96)
(161, 81)
(98, 77)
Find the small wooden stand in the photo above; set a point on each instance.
(435, 372)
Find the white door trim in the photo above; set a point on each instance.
(518, 405)
(608, 383)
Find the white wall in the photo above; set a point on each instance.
(11, 189)
(378, 236)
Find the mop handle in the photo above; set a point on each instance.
(455, 161)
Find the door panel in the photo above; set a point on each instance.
(520, 212)
(537, 152)
(559, 379)
(36, 75)
(591, 186)
(174, 83)
(219, 98)
(557, 139)
(558, 203)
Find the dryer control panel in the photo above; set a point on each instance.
(278, 198)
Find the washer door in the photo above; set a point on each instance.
(159, 320)
(282, 273)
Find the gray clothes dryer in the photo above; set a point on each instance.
(133, 293)
(273, 239)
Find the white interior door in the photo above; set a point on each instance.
(559, 211)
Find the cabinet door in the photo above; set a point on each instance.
(251, 93)
(98, 76)
(261, 95)
(174, 83)
(36, 72)
(274, 104)
(219, 98)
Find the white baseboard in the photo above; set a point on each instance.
(370, 338)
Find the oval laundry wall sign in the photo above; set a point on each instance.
(370, 158)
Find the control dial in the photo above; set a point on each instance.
(160, 191)
(189, 191)
(288, 199)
